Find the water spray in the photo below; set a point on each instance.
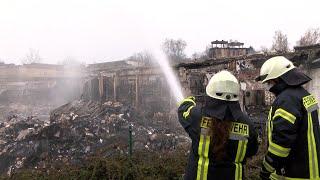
(167, 70)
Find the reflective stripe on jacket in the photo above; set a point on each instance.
(293, 136)
(242, 143)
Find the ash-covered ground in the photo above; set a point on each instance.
(81, 129)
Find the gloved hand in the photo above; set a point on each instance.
(264, 174)
(185, 107)
(190, 99)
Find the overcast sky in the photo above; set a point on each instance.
(106, 30)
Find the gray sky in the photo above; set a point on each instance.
(105, 30)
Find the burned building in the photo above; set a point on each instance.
(30, 86)
(128, 82)
(194, 76)
(145, 86)
(225, 49)
(312, 66)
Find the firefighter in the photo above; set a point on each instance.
(293, 124)
(222, 135)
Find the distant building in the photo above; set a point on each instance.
(225, 49)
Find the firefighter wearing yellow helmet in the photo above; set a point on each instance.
(293, 124)
(222, 135)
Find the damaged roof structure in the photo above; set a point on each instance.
(223, 49)
(133, 84)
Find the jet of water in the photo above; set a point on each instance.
(167, 70)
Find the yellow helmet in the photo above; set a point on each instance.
(224, 86)
(274, 68)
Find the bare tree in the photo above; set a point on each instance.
(143, 58)
(32, 57)
(69, 60)
(206, 53)
(280, 42)
(264, 49)
(174, 49)
(311, 36)
(196, 55)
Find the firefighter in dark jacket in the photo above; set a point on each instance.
(293, 124)
(222, 135)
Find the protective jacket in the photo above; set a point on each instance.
(242, 142)
(293, 133)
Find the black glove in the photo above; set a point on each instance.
(190, 100)
(185, 107)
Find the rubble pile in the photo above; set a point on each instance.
(23, 111)
(80, 129)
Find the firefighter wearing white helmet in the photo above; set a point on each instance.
(222, 135)
(274, 68)
(223, 86)
(292, 125)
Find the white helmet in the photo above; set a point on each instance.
(274, 68)
(223, 86)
